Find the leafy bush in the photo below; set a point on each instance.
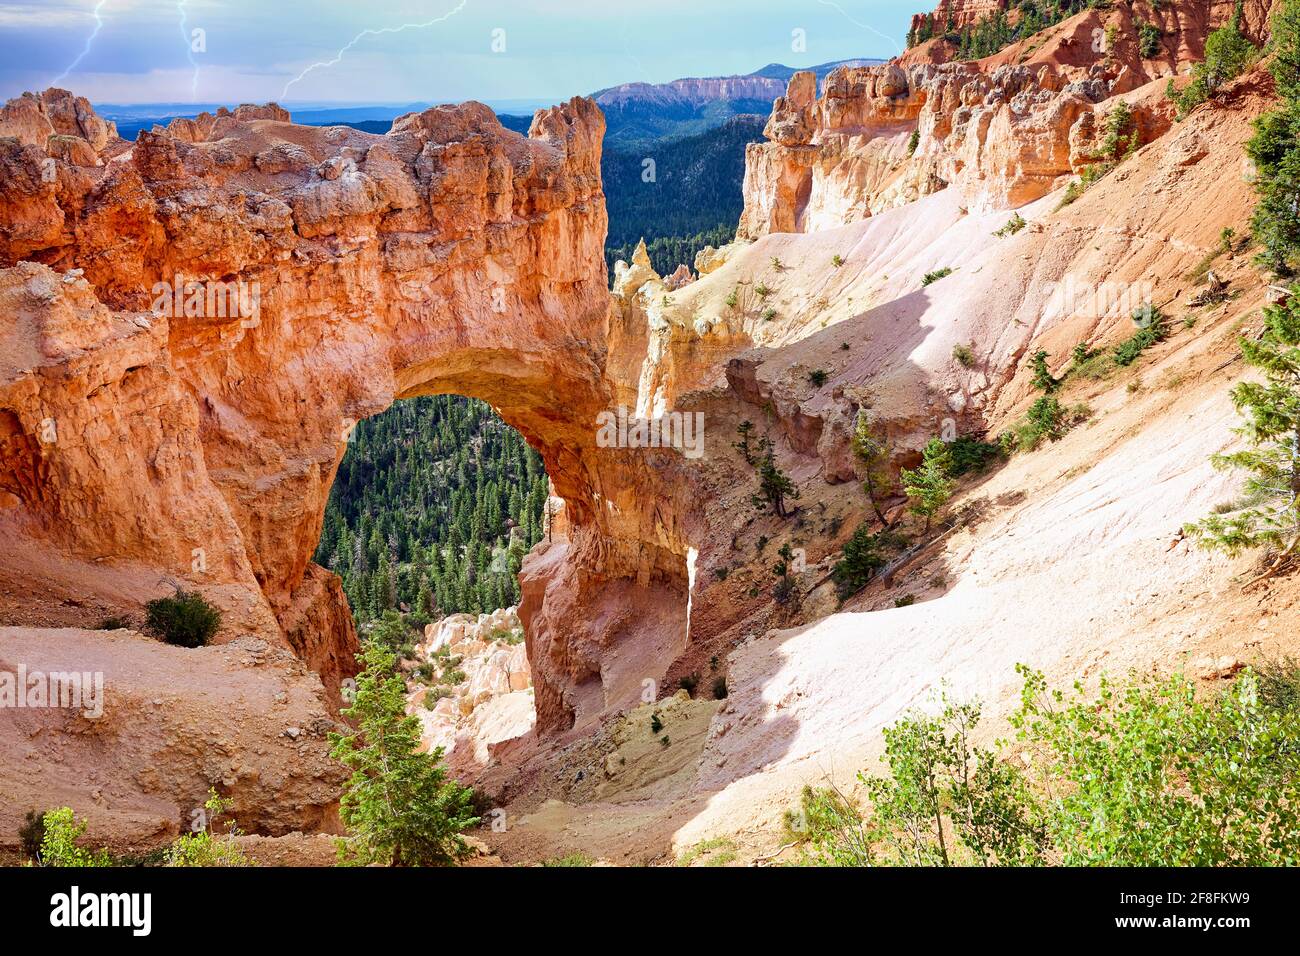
(203, 848)
(963, 355)
(829, 828)
(1141, 773)
(936, 275)
(945, 802)
(186, 619)
(1144, 774)
(1089, 176)
(59, 842)
(817, 377)
(1043, 379)
(837, 260)
(1115, 144)
(1275, 151)
(913, 141)
(1045, 419)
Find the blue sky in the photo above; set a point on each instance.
(254, 49)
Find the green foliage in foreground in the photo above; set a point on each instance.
(203, 847)
(1141, 773)
(59, 844)
(399, 806)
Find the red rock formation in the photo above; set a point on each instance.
(1002, 132)
(197, 446)
(955, 14)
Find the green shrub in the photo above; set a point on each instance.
(573, 859)
(1153, 328)
(185, 619)
(1089, 176)
(1045, 419)
(1227, 54)
(817, 377)
(963, 355)
(936, 275)
(1013, 226)
(862, 557)
(929, 487)
(398, 805)
(837, 260)
(969, 454)
(1269, 517)
(829, 829)
(1148, 40)
(945, 802)
(1145, 774)
(1279, 684)
(204, 848)
(1043, 379)
(1119, 134)
(1275, 151)
(31, 834)
(59, 841)
(717, 851)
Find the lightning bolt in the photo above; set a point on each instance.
(90, 40)
(864, 26)
(373, 33)
(189, 49)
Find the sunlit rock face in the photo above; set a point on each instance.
(194, 322)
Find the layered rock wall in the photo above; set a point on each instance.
(196, 435)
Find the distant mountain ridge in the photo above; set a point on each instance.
(636, 113)
(768, 83)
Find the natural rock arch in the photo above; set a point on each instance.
(450, 255)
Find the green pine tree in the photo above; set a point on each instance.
(399, 806)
